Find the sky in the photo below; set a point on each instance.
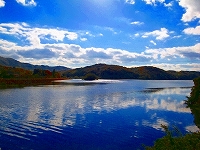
(79, 33)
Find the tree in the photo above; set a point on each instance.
(90, 76)
(54, 73)
(193, 101)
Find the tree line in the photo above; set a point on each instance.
(14, 72)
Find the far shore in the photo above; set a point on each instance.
(22, 82)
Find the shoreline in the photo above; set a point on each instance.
(22, 82)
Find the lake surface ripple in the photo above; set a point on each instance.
(102, 114)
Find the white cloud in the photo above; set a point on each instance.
(176, 37)
(3, 29)
(75, 55)
(108, 28)
(153, 2)
(130, 2)
(178, 67)
(35, 35)
(189, 52)
(83, 39)
(193, 31)
(50, 43)
(27, 2)
(153, 42)
(123, 20)
(137, 34)
(137, 23)
(192, 8)
(71, 35)
(2, 3)
(71, 54)
(6, 44)
(169, 4)
(159, 34)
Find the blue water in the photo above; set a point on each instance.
(97, 115)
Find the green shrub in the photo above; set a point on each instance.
(190, 141)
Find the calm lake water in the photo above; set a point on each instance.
(98, 115)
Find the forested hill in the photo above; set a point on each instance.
(20, 73)
(14, 63)
(153, 73)
(104, 71)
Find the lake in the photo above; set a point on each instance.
(93, 115)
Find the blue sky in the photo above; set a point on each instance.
(78, 33)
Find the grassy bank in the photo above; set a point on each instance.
(22, 82)
(190, 141)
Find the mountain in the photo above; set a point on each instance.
(182, 75)
(149, 72)
(104, 71)
(14, 63)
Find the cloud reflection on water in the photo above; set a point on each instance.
(125, 112)
(63, 111)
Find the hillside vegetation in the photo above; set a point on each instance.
(193, 101)
(103, 71)
(18, 77)
(13, 72)
(14, 63)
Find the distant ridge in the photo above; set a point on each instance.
(104, 71)
(14, 63)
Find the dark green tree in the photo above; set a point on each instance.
(193, 101)
(90, 76)
(54, 73)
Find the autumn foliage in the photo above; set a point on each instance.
(18, 77)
